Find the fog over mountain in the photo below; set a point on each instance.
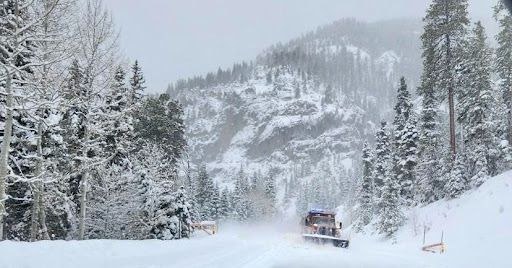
(196, 36)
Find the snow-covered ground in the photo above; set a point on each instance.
(477, 229)
(239, 247)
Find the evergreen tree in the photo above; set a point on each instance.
(504, 62)
(240, 198)
(430, 182)
(225, 205)
(457, 182)
(405, 143)
(443, 39)
(183, 213)
(403, 106)
(270, 195)
(409, 140)
(215, 203)
(382, 161)
(476, 100)
(160, 121)
(205, 195)
(390, 215)
(137, 82)
(366, 205)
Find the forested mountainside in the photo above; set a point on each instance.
(301, 109)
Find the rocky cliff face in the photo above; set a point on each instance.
(304, 108)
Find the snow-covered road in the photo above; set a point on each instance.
(233, 247)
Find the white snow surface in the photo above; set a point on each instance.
(477, 231)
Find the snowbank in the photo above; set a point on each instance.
(477, 227)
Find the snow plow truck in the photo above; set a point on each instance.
(320, 227)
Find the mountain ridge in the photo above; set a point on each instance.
(302, 109)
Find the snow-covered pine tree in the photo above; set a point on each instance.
(241, 204)
(119, 137)
(205, 195)
(159, 132)
(160, 121)
(155, 195)
(409, 142)
(225, 205)
(191, 188)
(215, 203)
(365, 202)
(475, 104)
(390, 213)
(72, 125)
(110, 195)
(165, 224)
(504, 62)
(387, 186)
(444, 35)
(270, 195)
(403, 107)
(147, 170)
(405, 144)
(183, 213)
(457, 182)
(137, 82)
(382, 163)
(502, 111)
(429, 176)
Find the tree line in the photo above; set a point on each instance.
(253, 198)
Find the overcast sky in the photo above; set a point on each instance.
(180, 38)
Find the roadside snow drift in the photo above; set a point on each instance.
(477, 227)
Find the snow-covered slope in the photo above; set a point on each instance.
(476, 226)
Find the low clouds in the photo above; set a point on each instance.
(176, 38)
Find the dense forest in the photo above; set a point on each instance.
(85, 152)
(461, 135)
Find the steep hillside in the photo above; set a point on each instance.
(301, 109)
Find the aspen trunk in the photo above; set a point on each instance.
(83, 201)
(34, 219)
(83, 187)
(4, 153)
(38, 220)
